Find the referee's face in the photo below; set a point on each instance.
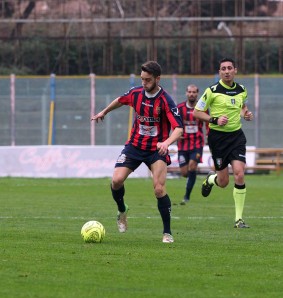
(227, 72)
(149, 82)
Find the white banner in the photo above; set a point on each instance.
(78, 161)
(62, 161)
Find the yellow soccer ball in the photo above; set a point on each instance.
(93, 232)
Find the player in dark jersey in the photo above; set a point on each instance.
(227, 103)
(156, 115)
(190, 145)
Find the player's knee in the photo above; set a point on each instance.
(239, 178)
(117, 183)
(222, 181)
(159, 191)
(184, 171)
(193, 167)
(184, 174)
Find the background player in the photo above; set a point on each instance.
(190, 145)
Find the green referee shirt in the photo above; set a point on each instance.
(222, 100)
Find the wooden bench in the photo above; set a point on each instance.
(268, 159)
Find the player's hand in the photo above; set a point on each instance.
(248, 116)
(162, 148)
(222, 120)
(98, 116)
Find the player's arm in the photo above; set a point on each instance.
(206, 128)
(246, 114)
(115, 104)
(201, 115)
(162, 147)
(200, 110)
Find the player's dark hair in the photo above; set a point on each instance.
(192, 86)
(227, 60)
(152, 67)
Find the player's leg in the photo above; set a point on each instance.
(183, 160)
(191, 179)
(220, 178)
(124, 166)
(238, 161)
(239, 192)
(195, 157)
(192, 174)
(120, 174)
(159, 173)
(184, 170)
(219, 147)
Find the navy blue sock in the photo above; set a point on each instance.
(118, 196)
(164, 207)
(190, 183)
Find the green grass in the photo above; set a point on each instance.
(42, 253)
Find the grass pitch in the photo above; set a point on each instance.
(42, 253)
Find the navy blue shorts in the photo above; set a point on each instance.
(185, 156)
(132, 157)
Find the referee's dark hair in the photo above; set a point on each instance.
(227, 60)
(152, 67)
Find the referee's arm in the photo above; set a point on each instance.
(203, 116)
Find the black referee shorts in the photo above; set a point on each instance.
(227, 146)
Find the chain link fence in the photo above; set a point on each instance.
(25, 114)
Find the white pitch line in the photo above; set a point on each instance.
(133, 217)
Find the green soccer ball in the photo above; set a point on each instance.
(93, 232)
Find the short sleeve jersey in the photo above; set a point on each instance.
(154, 117)
(221, 100)
(193, 137)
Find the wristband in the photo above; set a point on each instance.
(213, 120)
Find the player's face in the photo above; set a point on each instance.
(227, 72)
(149, 82)
(192, 94)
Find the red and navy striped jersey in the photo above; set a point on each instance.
(154, 117)
(193, 137)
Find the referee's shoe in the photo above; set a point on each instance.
(206, 187)
(240, 224)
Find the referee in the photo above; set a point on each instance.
(226, 102)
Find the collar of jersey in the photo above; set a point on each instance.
(226, 86)
(150, 96)
(188, 106)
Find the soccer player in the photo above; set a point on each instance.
(190, 145)
(156, 115)
(226, 101)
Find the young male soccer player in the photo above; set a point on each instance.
(226, 101)
(156, 115)
(190, 145)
